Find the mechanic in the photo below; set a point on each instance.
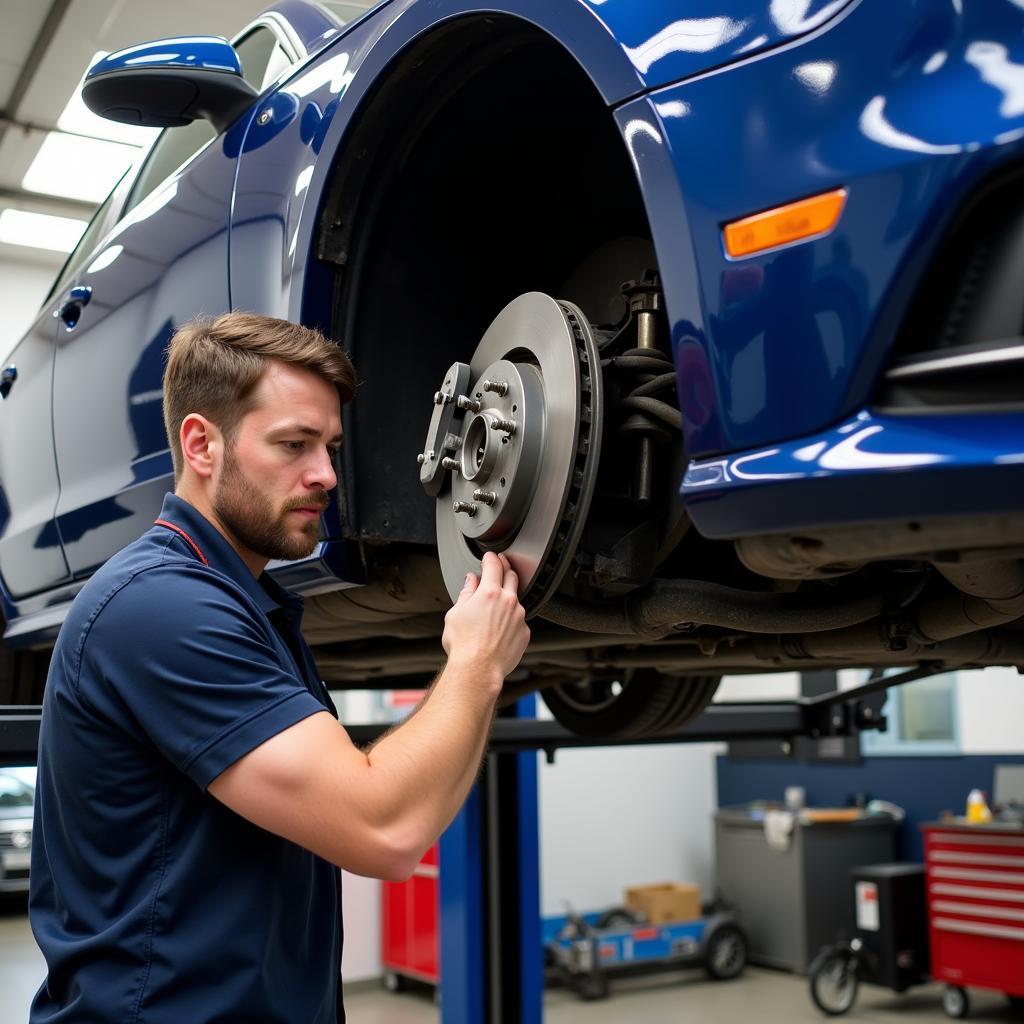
(196, 793)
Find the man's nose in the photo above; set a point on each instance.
(321, 473)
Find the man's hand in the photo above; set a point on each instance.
(485, 631)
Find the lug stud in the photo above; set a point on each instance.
(464, 506)
(465, 403)
(487, 497)
(421, 458)
(509, 426)
(452, 442)
(438, 398)
(499, 387)
(452, 464)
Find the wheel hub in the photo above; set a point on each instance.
(512, 448)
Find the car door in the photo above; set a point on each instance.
(31, 555)
(163, 263)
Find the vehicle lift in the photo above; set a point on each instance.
(492, 960)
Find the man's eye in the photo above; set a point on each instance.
(295, 446)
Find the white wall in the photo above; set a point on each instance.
(23, 286)
(617, 816)
(990, 707)
(360, 902)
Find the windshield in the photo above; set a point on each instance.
(14, 793)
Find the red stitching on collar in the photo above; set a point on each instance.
(182, 533)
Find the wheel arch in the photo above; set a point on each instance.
(367, 179)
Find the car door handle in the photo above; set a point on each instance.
(7, 379)
(70, 310)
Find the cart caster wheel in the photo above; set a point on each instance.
(833, 979)
(392, 981)
(955, 1002)
(726, 953)
(591, 986)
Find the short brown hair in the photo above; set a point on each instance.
(214, 365)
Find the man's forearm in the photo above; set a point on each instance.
(424, 769)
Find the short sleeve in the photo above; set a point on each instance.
(184, 658)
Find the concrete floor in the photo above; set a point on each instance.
(775, 997)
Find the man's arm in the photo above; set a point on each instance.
(376, 813)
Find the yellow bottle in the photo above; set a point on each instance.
(978, 812)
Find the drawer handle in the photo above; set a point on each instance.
(978, 910)
(978, 876)
(959, 839)
(976, 891)
(998, 931)
(1005, 860)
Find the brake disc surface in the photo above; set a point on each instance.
(519, 466)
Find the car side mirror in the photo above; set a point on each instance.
(170, 82)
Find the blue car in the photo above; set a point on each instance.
(708, 314)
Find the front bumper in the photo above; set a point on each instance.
(871, 468)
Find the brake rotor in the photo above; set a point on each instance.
(513, 458)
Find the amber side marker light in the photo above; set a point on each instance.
(806, 218)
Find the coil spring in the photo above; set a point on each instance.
(652, 374)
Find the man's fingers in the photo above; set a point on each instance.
(469, 587)
(491, 569)
(510, 579)
(511, 582)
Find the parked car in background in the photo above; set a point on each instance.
(708, 316)
(16, 800)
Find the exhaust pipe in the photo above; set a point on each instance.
(669, 605)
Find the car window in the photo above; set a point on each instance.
(262, 56)
(14, 793)
(86, 243)
(262, 59)
(172, 148)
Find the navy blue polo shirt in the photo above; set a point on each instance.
(152, 902)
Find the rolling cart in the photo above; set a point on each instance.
(584, 953)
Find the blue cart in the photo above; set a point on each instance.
(587, 949)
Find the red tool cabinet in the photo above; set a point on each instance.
(409, 931)
(975, 878)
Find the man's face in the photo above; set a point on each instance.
(275, 476)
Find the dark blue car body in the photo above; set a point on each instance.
(722, 109)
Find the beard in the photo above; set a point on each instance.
(250, 516)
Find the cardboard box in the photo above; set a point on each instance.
(665, 901)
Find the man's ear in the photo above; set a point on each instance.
(202, 444)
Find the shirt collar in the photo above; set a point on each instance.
(220, 555)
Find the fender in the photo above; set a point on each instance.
(626, 47)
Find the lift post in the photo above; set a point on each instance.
(491, 956)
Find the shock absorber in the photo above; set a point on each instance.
(653, 374)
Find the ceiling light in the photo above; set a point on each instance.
(40, 230)
(67, 165)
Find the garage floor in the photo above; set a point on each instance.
(656, 999)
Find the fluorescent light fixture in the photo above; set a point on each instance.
(40, 230)
(77, 117)
(88, 169)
